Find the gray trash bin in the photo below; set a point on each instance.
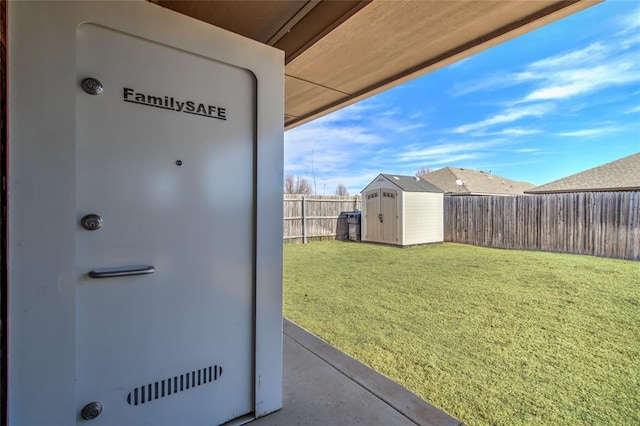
(353, 220)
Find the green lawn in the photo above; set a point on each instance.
(493, 337)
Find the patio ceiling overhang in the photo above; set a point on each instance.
(340, 52)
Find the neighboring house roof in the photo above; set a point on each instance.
(618, 175)
(408, 183)
(458, 181)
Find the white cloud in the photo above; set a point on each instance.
(537, 70)
(325, 146)
(349, 146)
(507, 116)
(633, 110)
(393, 120)
(518, 132)
(461, 62)
(573, 73)
(354, 183)
(497, 81)
(567, 83)
(589, 55)
(558, 92)
(630, 22)
(630, 42)
(446, 152)
(593, 132)
(512, 131)
(560, 77)
(590, 69)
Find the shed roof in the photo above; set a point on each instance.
(408, 183)
(618, 175)
(459, 181)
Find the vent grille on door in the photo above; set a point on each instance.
(173, 385)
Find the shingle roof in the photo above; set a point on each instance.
(458, 181)
(618, 175)
(410, 183)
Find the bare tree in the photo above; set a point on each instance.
(423, 171)
(303, 186)
(342, 190)
(289, 181)
(296, 185)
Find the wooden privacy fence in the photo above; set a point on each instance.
(603, 224)
(311, 216)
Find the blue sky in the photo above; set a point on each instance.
(551, 103)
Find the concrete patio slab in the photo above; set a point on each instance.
(324, 387)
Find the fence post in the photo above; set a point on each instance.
(304, 220)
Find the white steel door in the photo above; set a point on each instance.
(165, 156)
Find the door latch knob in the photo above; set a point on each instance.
(92, 86)
(91, 222)
(91, 410)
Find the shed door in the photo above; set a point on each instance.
(389, 216)
(372, 231)
(382, 216)
(175, 190)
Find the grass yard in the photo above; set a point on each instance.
(493, 337)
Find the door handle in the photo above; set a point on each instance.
(123, 272)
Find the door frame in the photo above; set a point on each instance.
(4, 285)
(41, 317)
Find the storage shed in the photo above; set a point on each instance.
(402, 210)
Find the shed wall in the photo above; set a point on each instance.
(423, 218)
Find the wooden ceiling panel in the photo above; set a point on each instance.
(257, 19)
(388, 43)
(319, 21)
(386, 38)
(340, 52)
(301, 96)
